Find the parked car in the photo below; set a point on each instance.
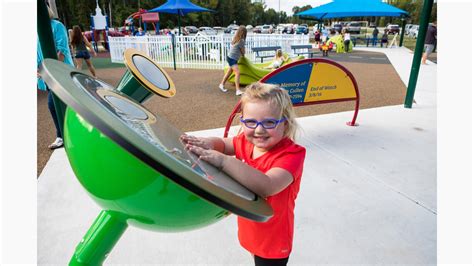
(407, 28)
(337, 27)
(249, 27)
(207, 31)
(280, 28)
(353, 27)
(268, 29)
(191, 29)
(302, 29)
(288, 30)
(413, 32)
(231, 27)
(257, 29)
(392, 29)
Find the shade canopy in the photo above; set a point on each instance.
(352, 8)
(180, 7)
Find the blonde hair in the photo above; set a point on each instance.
(241, 34)
(278, 98)
(279, 53)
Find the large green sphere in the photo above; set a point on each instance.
(120, 182)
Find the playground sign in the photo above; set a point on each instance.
(312, 81)
(316, 81)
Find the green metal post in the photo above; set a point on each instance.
(46, 40)
(403, 32)
(99, 241)
(420, 42)
(173, 42)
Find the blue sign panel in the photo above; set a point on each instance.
(295, 79)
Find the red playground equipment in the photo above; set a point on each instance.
(144, 17)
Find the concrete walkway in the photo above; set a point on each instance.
(368, 195)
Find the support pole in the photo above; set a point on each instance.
(404, 22)
(99, 241)
(420, 42)
(173, 42)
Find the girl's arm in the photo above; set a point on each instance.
(242, 50)
(264, 184)
(88, 44)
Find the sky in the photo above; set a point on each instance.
(286, 5)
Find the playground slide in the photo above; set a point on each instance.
(250, 72)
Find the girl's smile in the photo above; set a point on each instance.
(262, 139)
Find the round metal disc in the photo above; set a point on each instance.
(150, 138)
(148, 73)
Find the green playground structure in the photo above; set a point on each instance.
(250, 72)
(338, 40)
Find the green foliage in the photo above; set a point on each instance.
(77, 12)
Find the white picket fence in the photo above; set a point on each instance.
(198, 51)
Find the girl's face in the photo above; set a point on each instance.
(262, 139)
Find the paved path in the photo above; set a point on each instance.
(368, 195)
(360, 56)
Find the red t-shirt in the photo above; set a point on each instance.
(272, 239)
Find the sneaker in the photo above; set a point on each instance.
(58, 143)
(238, 92)
(221, 87)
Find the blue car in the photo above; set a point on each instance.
(302, 30)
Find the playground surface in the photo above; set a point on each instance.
(368, 193)
(378, 82)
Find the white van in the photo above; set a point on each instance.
(413, 32)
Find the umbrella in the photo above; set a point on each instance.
(180, 7)
(350, 8)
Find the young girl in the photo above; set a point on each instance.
(79, 43)
(237, 49)
(278, 60)
(384, 39)
(268, 162)
(347, 40)
(317, 37)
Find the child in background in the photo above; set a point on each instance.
(237, 49)
(384, 39)
(268, 162)
(79, 43)
(278, 60)
(347, 40)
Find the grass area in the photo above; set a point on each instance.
(409, 43)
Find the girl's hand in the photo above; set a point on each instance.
(196, 141)
(211, 156)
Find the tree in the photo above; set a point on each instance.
(296, 9)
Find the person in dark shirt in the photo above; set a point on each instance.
(384, 39)
(430, 40)
(375, 34)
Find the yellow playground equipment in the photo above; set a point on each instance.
(250, 72)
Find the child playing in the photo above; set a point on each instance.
(278, 60)
(79, 43)
(384, 39)
(237, 49)
(267, 161)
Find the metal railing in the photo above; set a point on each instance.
(198, 51)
